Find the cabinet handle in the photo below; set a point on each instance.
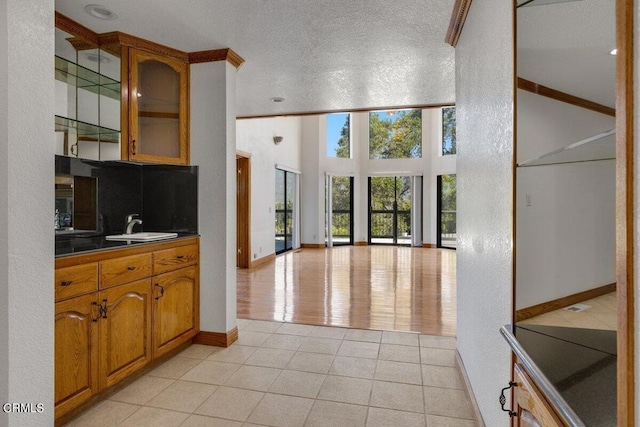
(103, 309)
(93, 305)
(133, 147)
(66, 283)
(74, 150)
(503, 399)
(161, 291)
(131, 268)
(180, 256)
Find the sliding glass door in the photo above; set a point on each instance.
(340, 222)
(390, 210)
(285, 203)
(446, 223)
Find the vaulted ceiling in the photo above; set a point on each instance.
(319, 55)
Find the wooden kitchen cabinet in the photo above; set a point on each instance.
(158, 108)
(175, 309)
(125, 331)
(532, 408)
(76, 352)
(117, 310)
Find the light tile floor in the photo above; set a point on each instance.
(281, 374)
(603, 314)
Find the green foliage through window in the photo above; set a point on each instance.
(395, 134)
(339, 135)
(448, 131)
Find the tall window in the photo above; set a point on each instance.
(447, 220)
(448, 131)
(395, 134)
(285, 202)
(339, 135)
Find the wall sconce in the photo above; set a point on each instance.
(277, 139)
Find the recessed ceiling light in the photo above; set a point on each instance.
(277, 99)
(100, 12)
(614, 51)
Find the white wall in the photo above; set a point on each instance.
(484, 99)
(26, 209)
(255, 136)
(566, 230)
(213, 150)
(315, 160)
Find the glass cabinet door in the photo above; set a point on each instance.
(158, 99)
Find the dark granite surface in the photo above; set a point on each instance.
(581, 365)
(77, 245)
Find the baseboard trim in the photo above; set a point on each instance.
(429, 245)
(556, 304)
(360, 243)
(312, 245)
(260, 261)
(218, 339)
(469, 390)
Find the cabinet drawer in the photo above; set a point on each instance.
(174, 258)
(76, 280)
(125, 269)
(531, 403)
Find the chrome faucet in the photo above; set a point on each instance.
(131, 221)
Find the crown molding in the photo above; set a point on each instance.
(458, 16)
(216, 55)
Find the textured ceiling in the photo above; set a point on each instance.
(318, 55)
(566, 46)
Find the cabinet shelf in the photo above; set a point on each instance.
(86, 79)
(598, 147)
(87, 131)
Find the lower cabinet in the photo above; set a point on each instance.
(175, 309)
(76, 352)
(532, 409)
(125, 331)
(117, 326)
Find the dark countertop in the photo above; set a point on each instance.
(580, 364)
(74, 245)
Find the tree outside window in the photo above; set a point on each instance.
(395, 134)
(339, 135)
(448, 131)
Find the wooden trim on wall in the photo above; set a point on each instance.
(556, 304)
(360, 243)
(264, 260)
(352, 110)
(469, 390)
(76, 29)
(216, 55)
(625, 230)
(429, 245)
(458, 16)
(218, 339)
(312, 245)
(541, 90)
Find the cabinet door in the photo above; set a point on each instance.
(125, 331)
(76, 352)
(175, 309)
(158, 108)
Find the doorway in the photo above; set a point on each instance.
(339, 201)
(389, 210)
(285, 203)
(243, 211)
(446, 208)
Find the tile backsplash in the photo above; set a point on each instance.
(165, 196)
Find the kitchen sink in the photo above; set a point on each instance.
(143, 237)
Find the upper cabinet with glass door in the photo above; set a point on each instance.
(158, 102)
(87, 95)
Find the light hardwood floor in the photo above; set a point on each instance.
(367, 287)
